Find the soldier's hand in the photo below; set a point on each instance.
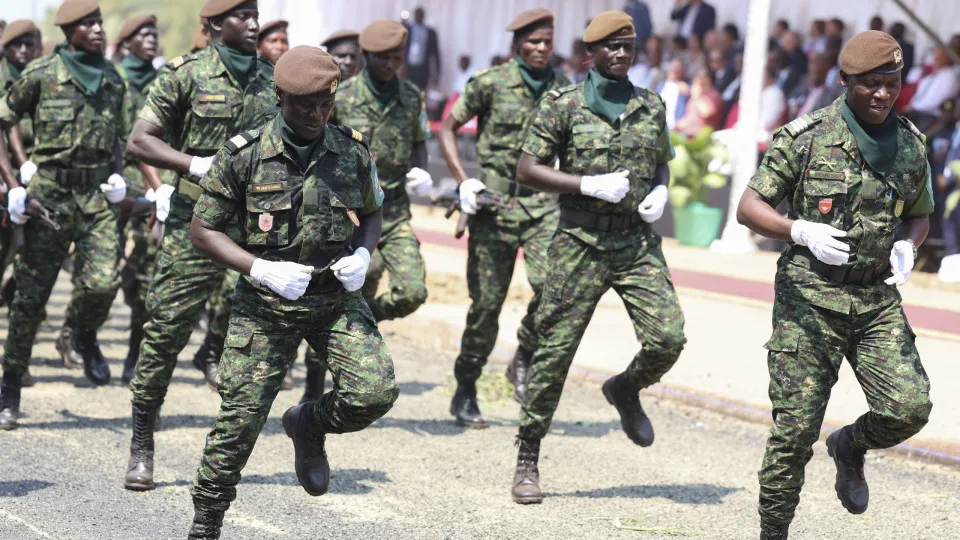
(16, 203)
(821, 240)
(200, 165)
(611, 187)
(27, 170)
(352, 270)
(161, 197)
(288, 279)
(419, 181)
(651, 209)
(901, 262)
(468, 195)
(115, 189)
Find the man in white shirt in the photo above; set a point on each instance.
(936, 88)
(773, 104)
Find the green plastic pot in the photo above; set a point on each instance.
(697, 224)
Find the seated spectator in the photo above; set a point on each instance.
(578, 64)
(836, 28)
(675, 92)
(898, 31)
(731, 95)
(949, 182)
(647, 73)
(834, 45)
(696, 59)
(819, 94)
(780, 28)
(789, 78)
(773, 107)
(723, 73)
(729, 41)
(876, 23)
(933, 90)
(694, 17)
(677, 51)
(817, 39)
(704, 108)
(464, 75)
(791, 44)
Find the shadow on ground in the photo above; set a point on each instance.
(678, 493)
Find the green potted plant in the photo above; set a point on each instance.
(701, 163)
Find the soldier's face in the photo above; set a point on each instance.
(614, 57)
(274, 45)
(306, 115)
(143, 44)
(22, 50)
(87, 35)
(384, 66)
(872, 95)
(239, 29)
(347, 55)
(537, 48)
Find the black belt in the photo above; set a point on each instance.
(844, 274)
(395, 193)
(574, 217)
(76, 176)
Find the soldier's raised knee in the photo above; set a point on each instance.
(668, 340)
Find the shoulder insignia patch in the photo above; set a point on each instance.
(912, 128)
(353, 134)
(239, 141)
(553, 94)
(799, 125)
(179, 61)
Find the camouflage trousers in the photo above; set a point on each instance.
(492, 246)
(219, 305)
(265, 331)
(182, 282)
(579, 275)
(397, 253)
(95, 277)
(140, 260)
(805, 352)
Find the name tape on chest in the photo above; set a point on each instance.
(213, 98)
(266, 188)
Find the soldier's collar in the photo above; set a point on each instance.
(513, 78)
(271, 143)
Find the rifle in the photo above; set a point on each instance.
(136, 207)
(35, 209)
(451, 199)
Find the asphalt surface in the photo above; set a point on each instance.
(415, 475)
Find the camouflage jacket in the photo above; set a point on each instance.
(504, 108)
(287, 214)
(200, 105)
(71, 130)
(26, 122)
(136, 98)
(587, 144)
(814, 164)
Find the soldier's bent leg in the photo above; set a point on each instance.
(888, 368)
(400, 250)
(315, 361)
(364, 385)
(374, 273)
(577, 279)
(535, 239)
(804, 356)
(96, 276)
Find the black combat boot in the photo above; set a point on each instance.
(95, 366)
(517, 372)
(465, 408)
(207, 359)
(206, 525)
(310, 457)
(9, 401)
(313, 389)
(851, 486)
(67, 345)
(526, 478)
(139, 475)
(623, 395)
(9, 289)
(27, 380)
(133, 353)
(769, 531)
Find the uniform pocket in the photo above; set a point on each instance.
(593, 151)
(54, 125)
(238, 336)
(783, 340)
(341, 220)
(213, 122)
(825, 201)
(269, 208)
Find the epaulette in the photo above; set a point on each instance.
(354, 134)
(557, 92)
(799, 125)
(913, 129)
(239, 141)
(179, 61)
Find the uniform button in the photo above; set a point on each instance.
(268, 205)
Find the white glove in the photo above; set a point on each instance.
(651, 209)
(162, 199)
(115, 189)
(150, 195)
(288, 279)
(16, 202)
(901, 262)
(419, 181)
(27, 170)
(821, 240)
(352, 270)
(611, 187)
(200, 165)
(468, 195)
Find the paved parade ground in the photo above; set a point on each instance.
(416, 475)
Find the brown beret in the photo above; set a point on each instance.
(869, 51)
(340, 35)
(271, 27)
(18, 29)
(199, 40)
(608, 23)
(214, 8)
(530, 17)
(305, 70)
(380, 36)
(132, 25)
(72, 11)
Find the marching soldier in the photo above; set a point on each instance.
(613, 147)
(344, 46)
(852, 173)
(308, 200)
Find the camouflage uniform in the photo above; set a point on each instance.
(75, 139)
(600, 245)
(199, 104)
(309, 215)
(506, 108)
(822, 314)
(26, 133)
(394, 130)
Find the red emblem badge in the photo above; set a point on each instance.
(265, 222)
(826, 205)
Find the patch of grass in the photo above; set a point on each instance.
(631, 524)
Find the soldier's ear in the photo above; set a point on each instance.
(844, 79)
